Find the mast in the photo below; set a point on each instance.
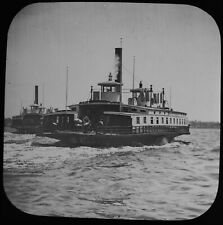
(66, 88)
(170, 97)
(21, 107)
(133, 78)
(43, 95)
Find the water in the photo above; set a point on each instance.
(175, 181)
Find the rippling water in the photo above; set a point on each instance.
(175, 181)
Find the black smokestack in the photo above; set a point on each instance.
(36, 95)
(118, 65)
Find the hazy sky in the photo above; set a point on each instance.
(176, 47)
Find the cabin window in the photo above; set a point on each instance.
(157, 120)
(142, 110)
(167, 120)
(133, 110)
(138, 120)
(177, 121)
(134, 130)
(74, 109)
(170, 120)
(162, 120)
(151, 120)
(144, 119)
(173, 120)
(57, 119)
(68, 119)
(154, 112)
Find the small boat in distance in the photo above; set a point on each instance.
(30, 118)
(104, 120)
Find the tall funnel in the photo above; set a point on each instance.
(36, 95)
(118, 65)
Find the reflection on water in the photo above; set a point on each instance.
(178, 180)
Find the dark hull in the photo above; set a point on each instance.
(27, 124)
(27, 129)
(110, 140)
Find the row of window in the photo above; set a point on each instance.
(59, 119)
(156, 120)
(126, 109)
(143, 110)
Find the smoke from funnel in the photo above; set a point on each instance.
(118, 65)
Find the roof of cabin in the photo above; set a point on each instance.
(109, 84)
(34, 105)
(139, 89)
(155, 109)
(99, 102)
(61, 112)
(122, 113)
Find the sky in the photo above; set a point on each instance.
(175, 46)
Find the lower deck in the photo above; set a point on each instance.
(110, 122)
(179, 130)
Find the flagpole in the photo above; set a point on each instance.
(66, 88)
(170, 97)
(133, 79)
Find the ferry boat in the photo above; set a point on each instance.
(104, 120)
(30, 118)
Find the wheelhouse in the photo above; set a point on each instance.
(60, 120)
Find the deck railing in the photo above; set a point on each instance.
(115, 129)
(142, 129)
(124, 129)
